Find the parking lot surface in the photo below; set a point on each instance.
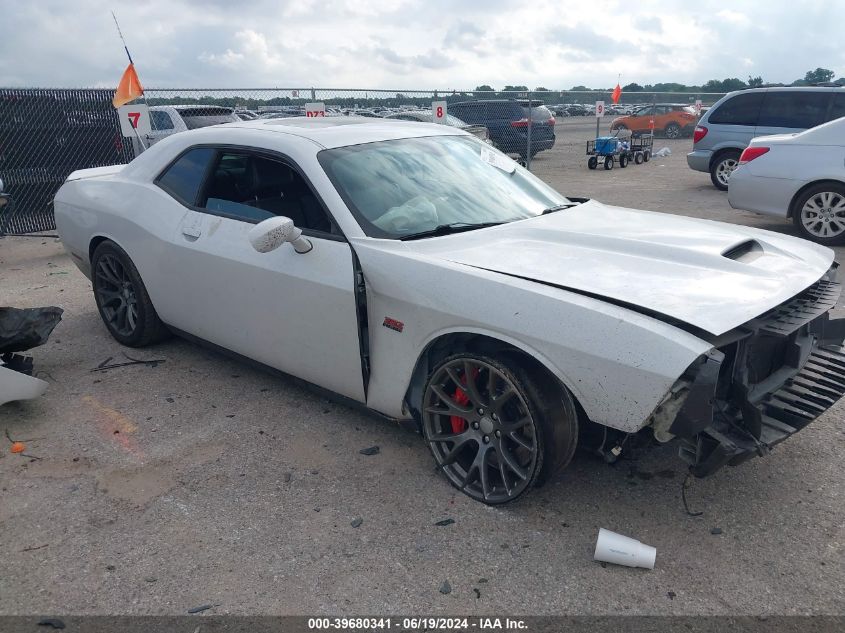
(205, 481)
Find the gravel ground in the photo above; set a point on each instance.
(204, 481)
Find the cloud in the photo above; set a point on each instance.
(407, 44)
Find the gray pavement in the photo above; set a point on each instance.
(204, 481)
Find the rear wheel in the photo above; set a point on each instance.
(646, 156)
(722, 167)
(819, 214)
(608, 162)
(673, 130)
(593, 162)
(122, 298)
(495, 431)
(638, 158)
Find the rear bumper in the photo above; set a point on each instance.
(699, 159)
(782, 371)
(771, 196)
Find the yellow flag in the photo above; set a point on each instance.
(129, 87)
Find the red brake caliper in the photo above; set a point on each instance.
(459, 424)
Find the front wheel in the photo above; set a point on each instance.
(608, 162)
(122, 298)
(721, 169)
(493, 430)
(623, 161)
(819, 214)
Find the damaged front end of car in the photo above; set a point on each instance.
(760, 384)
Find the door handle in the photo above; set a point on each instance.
(191, 231)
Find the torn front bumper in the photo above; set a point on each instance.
(768, 380)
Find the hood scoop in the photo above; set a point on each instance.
(745, 252)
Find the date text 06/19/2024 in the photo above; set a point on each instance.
(417, 624)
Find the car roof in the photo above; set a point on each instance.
(341, 131)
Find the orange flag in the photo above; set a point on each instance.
(617, 92)
(129, 87)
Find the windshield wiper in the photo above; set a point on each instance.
(448, 229)
(560, 207)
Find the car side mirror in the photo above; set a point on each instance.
(271, 233)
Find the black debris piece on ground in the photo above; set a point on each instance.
(23, 329)
(153, 362)
(445, 522)
(481, 581)
(356, 522)
(105, 362)
(201, 608)
(671, 595)
(477, 592)
(286, 477)
(445, 588)
(603, 564)
(372, 450)
(32, 549)
(150, 579)
(51, 622)
(716, 531)
(110, 567)
(170, 400)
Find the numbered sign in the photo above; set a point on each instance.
(315, 109)
(134, 120)
(599, 108)
(698, 107)
(438, 109)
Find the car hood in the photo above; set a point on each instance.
(710, 275)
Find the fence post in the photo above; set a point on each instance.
(528, 135)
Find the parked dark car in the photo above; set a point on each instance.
(508, 123)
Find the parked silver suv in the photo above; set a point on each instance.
(727, 128)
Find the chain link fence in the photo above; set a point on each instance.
(46, 134)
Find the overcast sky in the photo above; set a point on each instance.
(444, 44)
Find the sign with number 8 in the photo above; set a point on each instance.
(438, 109)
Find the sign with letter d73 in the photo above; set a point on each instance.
(315, 109)
(134, 120)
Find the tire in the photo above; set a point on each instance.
(673, 130)
(608, 162)
(122, 299)
(623, 161)
(593, 162)
(638, 158)
(534, 426)
(646, 156)
(819, 214)
(721, 168)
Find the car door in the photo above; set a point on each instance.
(789, 111)
(640, 121)
(293, 312)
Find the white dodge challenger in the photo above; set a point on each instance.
(413, 269)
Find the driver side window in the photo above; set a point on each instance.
(251, 187)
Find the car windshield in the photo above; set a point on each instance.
(402, 187)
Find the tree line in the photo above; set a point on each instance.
(811, 78)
